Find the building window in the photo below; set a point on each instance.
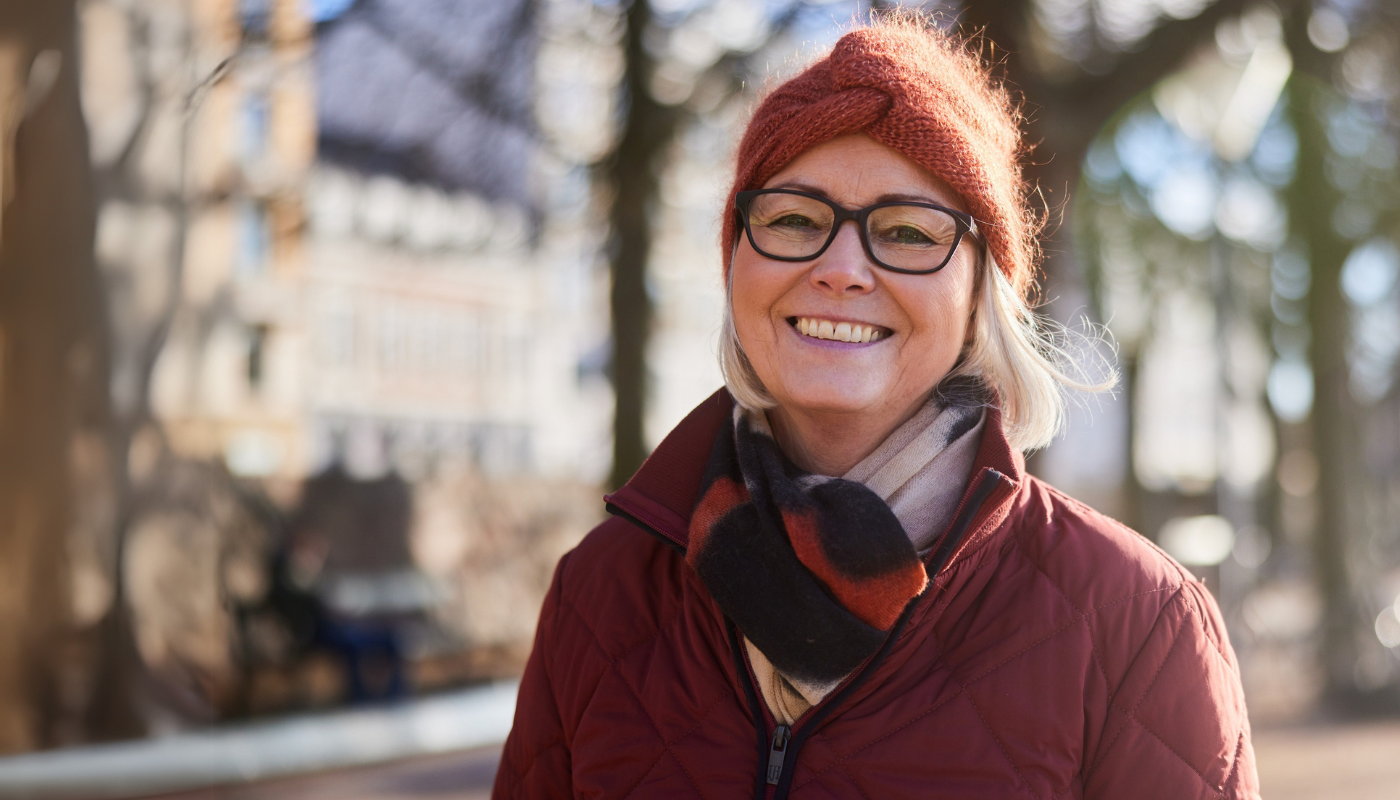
(255, 17)
(338, 334)
(257, 126)
(257, 357)
(255, 239)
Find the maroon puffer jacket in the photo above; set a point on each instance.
(1058, 654)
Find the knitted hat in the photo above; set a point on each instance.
(918, 90)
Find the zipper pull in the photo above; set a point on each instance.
(777, 753)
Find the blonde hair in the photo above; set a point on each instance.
(1023, 362)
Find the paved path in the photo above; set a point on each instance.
(456, 776)
(1357, 761)
(268, 751)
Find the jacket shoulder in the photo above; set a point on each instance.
(1095, 561)
(613, 538)
(622, 583)
(1139, 604)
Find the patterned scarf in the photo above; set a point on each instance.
(813, 570)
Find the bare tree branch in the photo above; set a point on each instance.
(1159, 54)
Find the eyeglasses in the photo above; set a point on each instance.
(913, 238)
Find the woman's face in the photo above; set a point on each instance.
(923, 319)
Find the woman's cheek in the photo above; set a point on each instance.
(755, 334)
(753, 301)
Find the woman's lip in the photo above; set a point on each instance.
(828, 329)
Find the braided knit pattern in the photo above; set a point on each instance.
(922, 92)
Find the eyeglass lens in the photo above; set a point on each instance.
(901, 236)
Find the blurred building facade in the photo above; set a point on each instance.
(337, 241)
(385, 300)
(446, 294)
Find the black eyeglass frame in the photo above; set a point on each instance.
(964, 223)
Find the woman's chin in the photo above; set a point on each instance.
(831, 397)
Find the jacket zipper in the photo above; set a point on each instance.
(777, 754)
(782, 755)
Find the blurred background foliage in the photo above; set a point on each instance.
(322, 324)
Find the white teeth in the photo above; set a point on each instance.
(839, 331)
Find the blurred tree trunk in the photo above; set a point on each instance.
(1312, 200)
(1066, 105)
(632, 172)
(52, 352)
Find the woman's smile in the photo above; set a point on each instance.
(838, 331)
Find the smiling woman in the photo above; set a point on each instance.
(851, 587)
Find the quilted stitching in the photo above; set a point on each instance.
(654, 764)
(1129, 712)
(534, 759)
(1235, 765)
(1083, 617)
(1176, 639)
(667, 746)
(1194, 606)
(1098, 660)
(842, 759)
(1179, 756)
(1195, 619)
(670, 745)
(1000, 746)
(855, 782)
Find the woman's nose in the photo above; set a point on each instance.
(844, 268)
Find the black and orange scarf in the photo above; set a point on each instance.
(813, 570)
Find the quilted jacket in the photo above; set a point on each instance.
(1057, 654)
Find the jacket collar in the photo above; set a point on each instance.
(663, 493)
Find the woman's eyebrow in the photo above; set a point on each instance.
(802, 187)
(889, 197)
(902, 197)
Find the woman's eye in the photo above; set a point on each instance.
(905, 234)
(794, 221)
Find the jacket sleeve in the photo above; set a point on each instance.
(1176, 726)
(535, 761)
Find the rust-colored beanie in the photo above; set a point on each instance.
(920, 91)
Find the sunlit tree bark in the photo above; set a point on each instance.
(52, 352)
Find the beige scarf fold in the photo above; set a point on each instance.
(921, 471)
